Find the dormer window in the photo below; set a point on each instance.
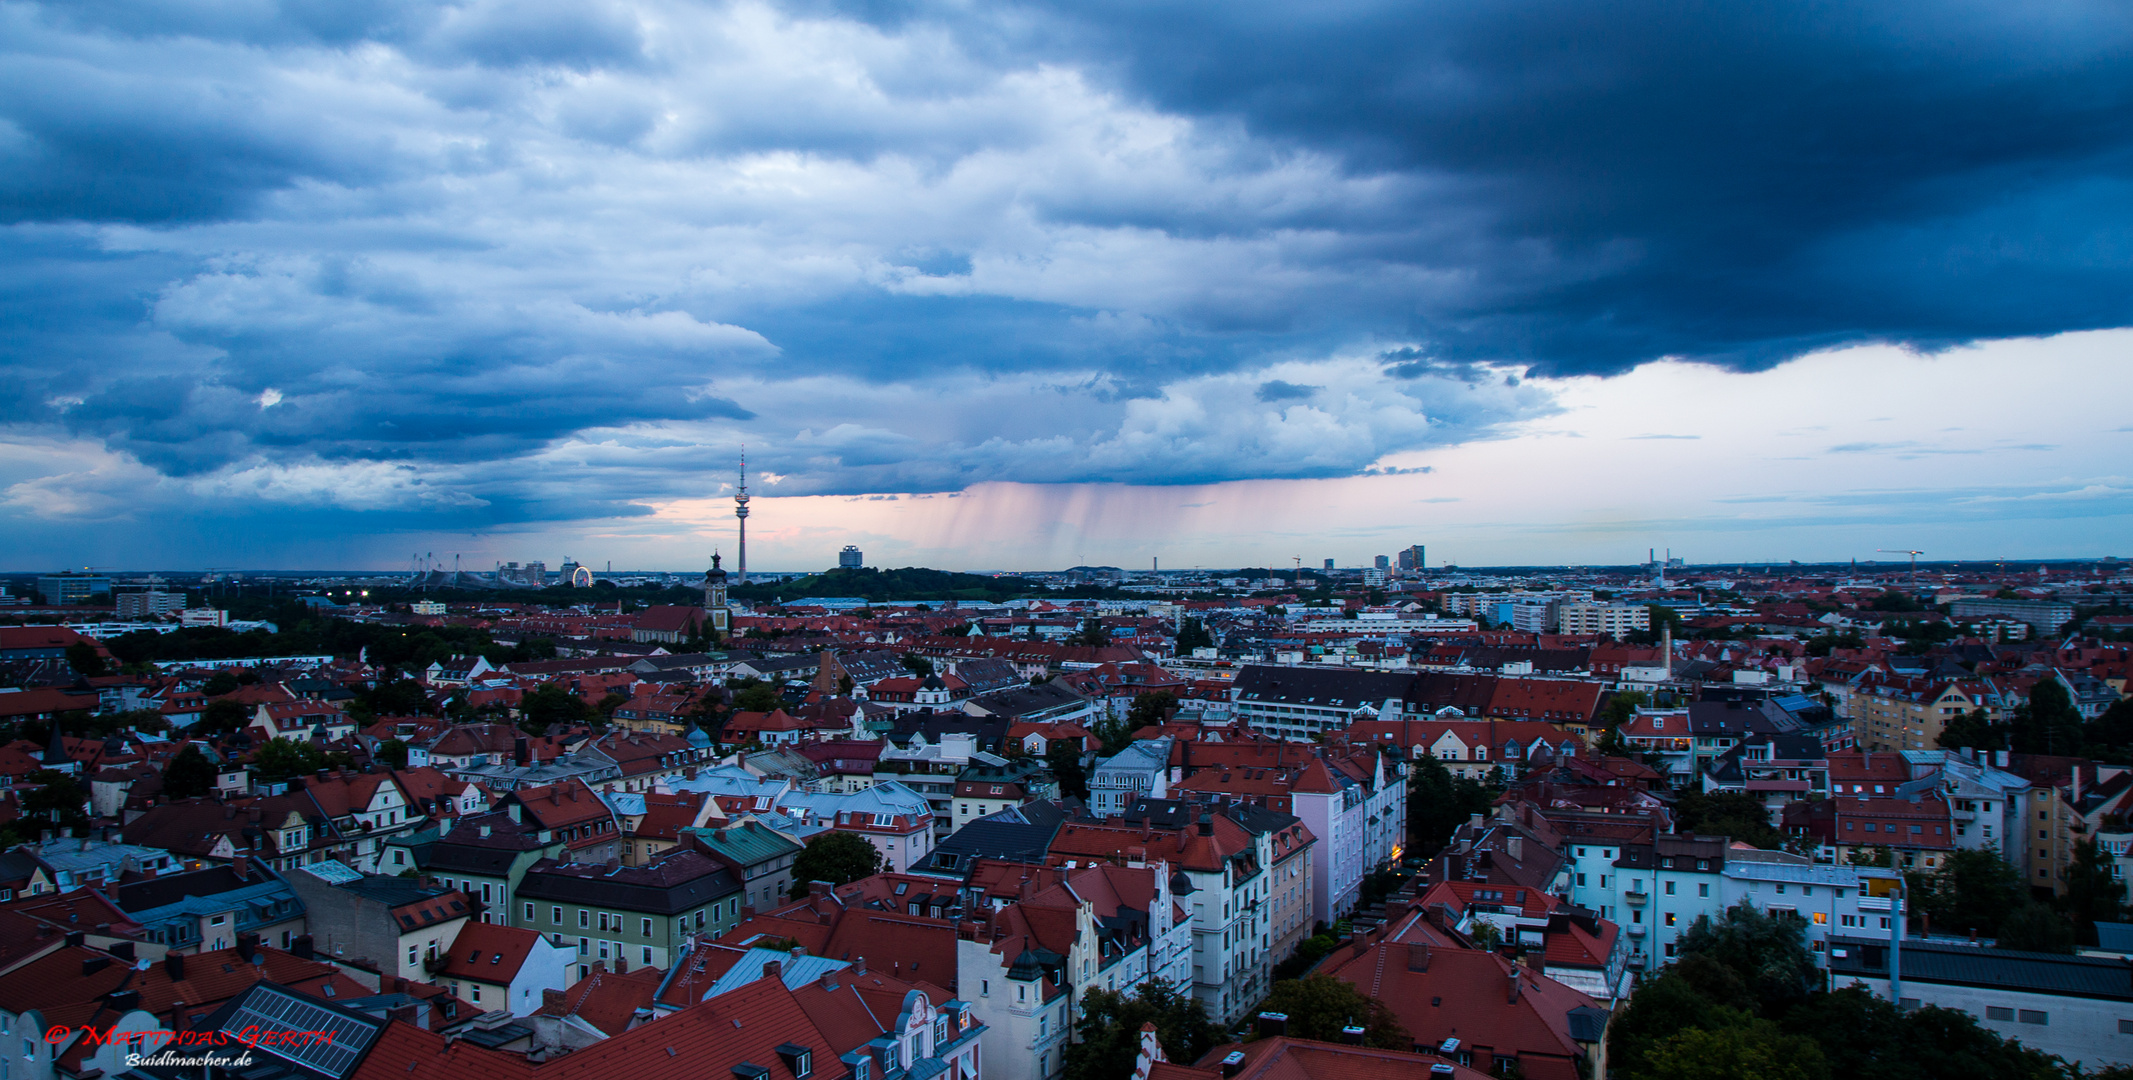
(799, 1060)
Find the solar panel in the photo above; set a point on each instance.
(303, 1032)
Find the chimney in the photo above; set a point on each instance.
(515, 811)
(773, 969)
(1232, 1064)
(1207, 824)
(90, 965)
(1272, 1024)
(403, 1013)
(1514, 845)
(247, 946)
(859, 965)
(1352, 1035)
(123, 950)
(301, 947)
(174, 966)
(485, 832)
(1513, 979)
(1999, 759)
(1418, 956)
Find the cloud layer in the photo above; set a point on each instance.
(471, 265)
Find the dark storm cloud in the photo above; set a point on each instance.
(1737, 183)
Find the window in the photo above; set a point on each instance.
(1670, 918)
(584, 919)
(647, 928)
(555, 915)
(412, 956)
(647, 954)
(529, 911)
(476, 988)
(2125, 1027)
(2032, 1016)
(1995, 1012)
(1670, 888)
(1703, 888)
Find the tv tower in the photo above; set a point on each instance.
(740, 510)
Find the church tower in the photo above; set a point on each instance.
(716, 615)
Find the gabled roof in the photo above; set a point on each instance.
(488, 952)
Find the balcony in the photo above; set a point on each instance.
(1636, 897)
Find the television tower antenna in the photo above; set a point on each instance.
(740, 512)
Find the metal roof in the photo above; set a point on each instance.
(2103, 978)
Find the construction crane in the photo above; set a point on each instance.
(1914, 560)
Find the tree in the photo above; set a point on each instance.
(837, 857)
(1864, 1036)
(393, 752)
(754, 695)
(916, 664)
(549, 705)
(1438, 802)
(1192, 634)
(1063, 757)
(1767, 950)
(1320, 1006)
(58, 799)
(2093, 895)
(85, 660)
(282, 759)
(1697, 992)
(1110, 1029)
(189, 774)
(1150, 709)
(1973, 891)
(393, 696)
(1092, 634)
(1728, 813)
(1753, 1050)
(1974, 730)
(2036, 928)
(224, 714)
(2048, 723)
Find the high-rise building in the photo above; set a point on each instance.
(851, 558)
(1329, 564)
(1411, 560)
(1383, 562)
(72, 588)
(142, 605)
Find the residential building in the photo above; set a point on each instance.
(629, 915)
(505, 967)
(205, 910)
(1612, 620)
(759, 857)
(1141, 770)
(388, 925)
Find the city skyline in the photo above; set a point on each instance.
(1037, 284)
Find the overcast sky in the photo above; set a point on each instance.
(316, 284)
